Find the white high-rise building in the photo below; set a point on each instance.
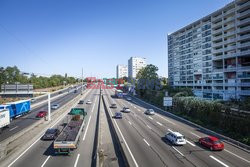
(212, 54)
(134, 65)
(121, 71)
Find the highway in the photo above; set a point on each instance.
(145, 138)
(22, 122)
(41, 153)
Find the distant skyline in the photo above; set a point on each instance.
(63, 36)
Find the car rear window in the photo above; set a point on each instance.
(217, 142)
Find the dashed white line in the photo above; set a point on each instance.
(237, 155)
(134, 106)
(192, 144)
(146, 142)
(45, 161)
(195, 134)
(129, 122)
(170, 130)
(77, 158)
(178, 151)
(151, 118)
(159, 123)
(139, 110)
(13, 128)
(222, 163)
(166, 119)
(86, 129)
(149, 127)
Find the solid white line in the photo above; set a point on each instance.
(222, 163)
(237, 155)
(124, 139)
(149, 127)
(192, 144)
(129, 122)
(77, 158)
(45, 161)
(13, 128)
(86, 129)
(39, 137)
(166, 119)
(159, 123)
(151, 118)
(195, 134)
(178, 151)
(146, 142)
(170, 130)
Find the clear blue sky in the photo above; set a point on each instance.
(62, 36)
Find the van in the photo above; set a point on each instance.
(176, 138)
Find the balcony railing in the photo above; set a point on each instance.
(244, 76)
(242, 53)
(244, 92)
(243, 21)
(240, 38)
(217, 57)
(244, 84)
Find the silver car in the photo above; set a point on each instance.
(55, 106)
(149, 112)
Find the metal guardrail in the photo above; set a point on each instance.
(229, 140)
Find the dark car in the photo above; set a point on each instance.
(118, 115)
(50, 134)
(212, 143)
(75, 91)
(113, 106)
(81, 102)
(41, 114)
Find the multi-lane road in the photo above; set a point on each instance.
(144, 136)
(39, 105)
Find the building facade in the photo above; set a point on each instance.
(212, 55)
(134, 65)
(121, 71)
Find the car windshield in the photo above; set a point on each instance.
(51, 131)
(180, 137)
(151, 110)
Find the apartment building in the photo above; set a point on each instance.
(134, 65)
(121, 71)
(212, 54)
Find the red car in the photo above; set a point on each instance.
(41, 114)
(212, 143)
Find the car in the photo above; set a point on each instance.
(126, 109)
(149, 112)
(176, 138)
(81, 102)
(32, 100)
(60, 92)
(118, 115)
(55, 106)
(75, 91)
(113, 105)
(50, 134)
(88, 102)
(211, 142)
(41, 114)
(129, 98)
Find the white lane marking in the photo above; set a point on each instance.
(236, 155)
(178, 151)
(159, 123)
(222, 163)
(195, 134)
(13, 128)
(166, 119)
(149, 127)
(129, 122)
(170, 130)
(86, 129)
(134, 106)
(139, 110)
(192, 144)
(124, 140)
(45, 161)
(146, 142)
(41, 136)
(77, 158)
(151, 118)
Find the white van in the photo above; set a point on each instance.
(176, 138)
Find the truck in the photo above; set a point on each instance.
(18, 108)
(69, 137)
(4, 118)
(118, 93)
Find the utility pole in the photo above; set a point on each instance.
(82, 81)
(49, 118)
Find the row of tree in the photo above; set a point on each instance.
(11, 75)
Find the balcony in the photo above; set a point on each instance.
(215, 38)
(243, 22)
(229, 11)
(217, 77)
(244, 75)
(229, 69)
(229, 19)
(216, 51)
(228, 48)
(244, 92)
(240, 38)
(243, 14)
(246, 68)
(243, 53)
(216, 18)
(215, 32)
(245, 5)
(217, 84)
(242, 45)
(244, 84)
(228, 27)
(243, 30)
(218, 70)
(217, 44)
(217, 57)
(231, 40)
(230, 33)
(230, 84)
(214, 25)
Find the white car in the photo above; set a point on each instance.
(88, 102)
(55, 106)
(149, 112)
(126, 109)
(129, 98)
(176, 138)
(32, 100)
